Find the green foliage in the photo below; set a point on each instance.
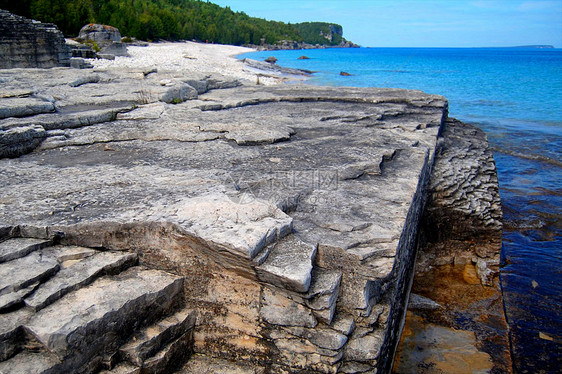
(171, 20)
(320, 32)
(94, 45)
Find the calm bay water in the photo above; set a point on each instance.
(515, 96)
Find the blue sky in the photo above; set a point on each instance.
(422, 23)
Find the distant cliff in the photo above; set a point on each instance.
(314, 35)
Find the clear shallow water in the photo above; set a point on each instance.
(515, 96)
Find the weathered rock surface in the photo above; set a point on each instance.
(80, 307)
(107, 38)
(464, 211)
(99, 33)
(29, 44)
(270, 69)
(292, 212)
(458, 315)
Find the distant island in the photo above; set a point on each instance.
(535, 46)
(174, 20)
(538, 46)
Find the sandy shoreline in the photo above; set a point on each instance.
(186, 57)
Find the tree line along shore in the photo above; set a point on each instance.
(174, 20)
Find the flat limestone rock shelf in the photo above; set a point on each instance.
(291, 212)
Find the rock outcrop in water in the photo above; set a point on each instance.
(30, 44)
(279, 224)
(457, 269)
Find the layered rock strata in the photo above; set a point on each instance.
(71, 309)
(30, 44)
(291, 213)
(457, 271)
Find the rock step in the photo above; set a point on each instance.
(289, 264)
(84, 325)
(172, 357)
(30, 362)
(78, 275)
(12, 249)
(23, 107)
(148, 341)
(168, 360)
(323, 294)
(20, 273)
(11, 334)
(199, 364)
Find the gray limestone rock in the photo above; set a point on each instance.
(323, 338)
(123, 368)
(420, 302)
(22, 107)
(201, 86)
(106, 56)
(464, 208)
(364, 348)
(179, 93)
(79, 337)
(172, 357)
(93, 78)
(147, 342)
(114, 49)
(99, 33)
(323, 294)
(214, 187)
(30, 362)
(279, 309)
(77, 275)
(15, 248)
(289, 264)
(27, 43)
(31, 269)
(21, 140)
(79, 63)
(11, 332)
(8, 300)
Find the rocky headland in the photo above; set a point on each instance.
(291, 44)
(172, 215)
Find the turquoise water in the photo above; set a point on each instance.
(515, 96)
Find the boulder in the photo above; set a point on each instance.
(99, 33)
(271, 60)
(107, 38)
